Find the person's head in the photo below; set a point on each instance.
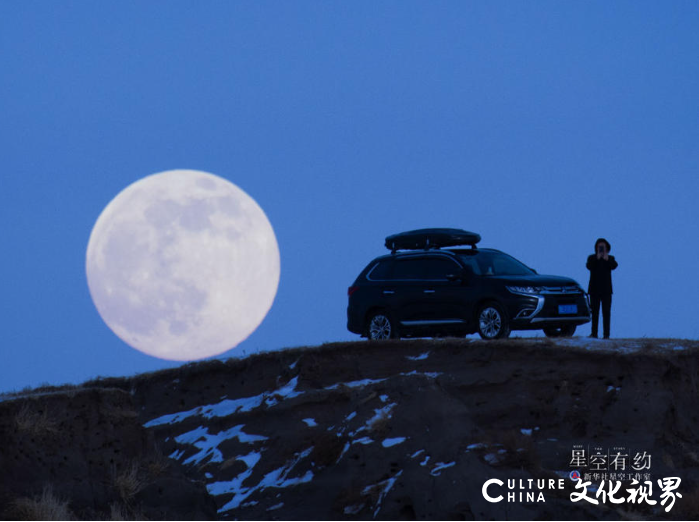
(602, 246)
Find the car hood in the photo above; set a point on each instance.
(535, 280)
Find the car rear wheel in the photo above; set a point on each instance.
(561, 331)
(381, 326)
(492, 322)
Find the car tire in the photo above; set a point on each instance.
(381, 326)
(561, 331)
(492, 322)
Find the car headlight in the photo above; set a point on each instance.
(527, 290)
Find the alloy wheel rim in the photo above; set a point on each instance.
(380, 327)
(490, 322)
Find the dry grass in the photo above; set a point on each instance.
(118, 512)
(158, 466)
(28, 421)
(117, 413)
(128, 482)
(43, 389)
(121, 513)
(46, 506)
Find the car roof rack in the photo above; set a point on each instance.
(431, 238)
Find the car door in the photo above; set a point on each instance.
(446, 293)
(407, 292)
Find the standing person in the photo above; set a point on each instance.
(600, 264)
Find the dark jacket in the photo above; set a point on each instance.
(600, 275)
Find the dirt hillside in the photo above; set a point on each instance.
(389, 430)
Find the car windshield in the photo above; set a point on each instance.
(494, 264)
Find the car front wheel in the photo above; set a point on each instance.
(381, 326)
(492, 322)
(561, 331)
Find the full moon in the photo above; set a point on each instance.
(182, 265)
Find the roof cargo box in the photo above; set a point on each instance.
(427, 238)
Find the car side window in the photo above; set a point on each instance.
(381, 272)
(409, 269)
(471, 264)
(438, 268)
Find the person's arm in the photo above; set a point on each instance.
(590, 262)
(612, 263)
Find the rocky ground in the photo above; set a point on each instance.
(389, 430)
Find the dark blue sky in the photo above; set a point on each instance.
(540, 125)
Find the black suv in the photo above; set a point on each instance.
(429, 290)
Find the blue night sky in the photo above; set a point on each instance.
(540, 125)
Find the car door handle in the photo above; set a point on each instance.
(388, 292)
(429, 291)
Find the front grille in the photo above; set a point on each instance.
(564, 290)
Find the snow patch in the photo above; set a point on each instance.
(279, 478)
(230, 406)
(310, 422)
(431, 375)
(235, 485)
(208, 443)
(384, 487)
(353, 510)
(420, 357)
(437, 470)
(491, 458)
(379, 414)
(387, 443)
(344, 450)
(354, 384)
(250, 459)
(176, 455)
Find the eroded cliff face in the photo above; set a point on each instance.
(87, 450)
(393, 430)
